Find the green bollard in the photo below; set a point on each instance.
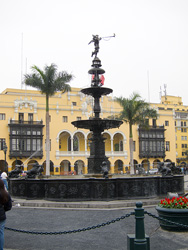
(140, 242)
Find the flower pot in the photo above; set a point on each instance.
(175, 215)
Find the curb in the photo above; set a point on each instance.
(120, 204)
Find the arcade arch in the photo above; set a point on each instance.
(118, 142)
(155, 163)
(65, 167)
(118, 167)
(17, 162)
(79, 167)
(30, 164)
(145, 164)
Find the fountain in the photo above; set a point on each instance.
(95, 124)
(95, 186)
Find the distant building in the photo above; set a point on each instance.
(22, 121)
(180, 125)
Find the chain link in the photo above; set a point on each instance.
(72, 231)
(165, 220)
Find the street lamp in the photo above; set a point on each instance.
(5, 152)
(164, 150)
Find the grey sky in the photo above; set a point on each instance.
(151, 37)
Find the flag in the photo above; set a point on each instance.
(102, 80)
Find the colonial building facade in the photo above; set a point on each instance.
(22, 134)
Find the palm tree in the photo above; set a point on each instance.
(48, 82)
(135, 111)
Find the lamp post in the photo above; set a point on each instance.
(5, 152)
(164, 150)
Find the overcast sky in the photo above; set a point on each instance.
(150, 48)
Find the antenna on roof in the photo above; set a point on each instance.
(165, 92)
(22, 62)
(160, 93)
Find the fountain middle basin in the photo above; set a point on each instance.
(85, 189)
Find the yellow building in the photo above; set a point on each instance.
(179, 124)
(22, 119)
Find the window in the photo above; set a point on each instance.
(78, 118)
(184, 124)
(167, 146)
(184, 130)
(21, 117)
(30, 118)
(154, 146)
(166, 123)
(2, 116)
(65, 118)
(2, 141)
(184, 145)
(175, 123)
(181, 124)
(73, 103)
(184, 138)
(154, 123)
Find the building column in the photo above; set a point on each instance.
(85, 145)
(72, 168)
(112, 169)
(112, 150)
(72, 147)
(124, 169)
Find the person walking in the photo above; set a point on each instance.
(5, 205)
(4, 178)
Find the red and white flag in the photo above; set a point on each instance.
(102, 80)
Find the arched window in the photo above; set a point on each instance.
(75, 143)
(121, 146)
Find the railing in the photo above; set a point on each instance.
(26, 122)
(87, 153)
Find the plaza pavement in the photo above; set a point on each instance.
(50, 216)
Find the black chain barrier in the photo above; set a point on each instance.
(72, 231)
(165, 220)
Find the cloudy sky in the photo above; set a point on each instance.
(150, 49)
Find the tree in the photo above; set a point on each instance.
(135, 111)
(48, 82)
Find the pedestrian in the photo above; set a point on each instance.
(4, 178)
(5, 205)
(184, 170)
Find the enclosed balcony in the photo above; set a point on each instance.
(26, 139)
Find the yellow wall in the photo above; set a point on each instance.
(15, 101)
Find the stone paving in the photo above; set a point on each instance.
(113, 236)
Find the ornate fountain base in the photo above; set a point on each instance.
(96, 188)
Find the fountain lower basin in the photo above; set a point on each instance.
(84, 189)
